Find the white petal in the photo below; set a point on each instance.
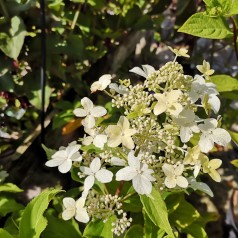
(197, 168)
(68, 214)
(182, 182)
(215, 103)
(168, 170)
(127, 174)
(128, 142)
(215, 175)
(133, 161)
(221, 136)
(179, 169)
(87, 140)
(88, 121)
(69, 211)
(89, 182)
(114, 141)
(105, 80)
(70, 150)
(54, 162)
(100, 140)
(170, 182)
(141, 184)
(76, 157)
(87, 104)
(138, 71)
(159, 108)
(82, 215)
(69, 202)
(206, 142)
(86, 170)
(185, 134)
(95, 165)
(95, 87)
(65, 166)
(148, 69)
(104, 176)
(79, 112)
(117, 161)
(98, 111)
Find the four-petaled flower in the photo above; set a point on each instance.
(211, 134)
(210, 167)
(89, 112)
(94, 137)
(120, 134)
(145, 72)
(95, 171)
(168, 102)
(180, 52)
(174, 176)
(205, 68)
(201, 89)
(186, 121)
(139, 173)
(65, 157)
(102, 83)
(75, 209)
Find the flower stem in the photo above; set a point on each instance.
(119, 188)
(234, 36)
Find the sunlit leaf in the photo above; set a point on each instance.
(202, 25)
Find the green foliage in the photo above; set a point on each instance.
(205, 26)
(59, 228)
(99, 229)
(225, 83)
(11, 42)
(10, 188)
(135, 231)
(33, 222)
(5, 234)
(8, 205)
(49, 152)
(156, 210)
(184, 216)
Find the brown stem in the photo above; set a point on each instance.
(119, 188)
(234, 36)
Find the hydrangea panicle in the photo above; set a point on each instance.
(146, 144)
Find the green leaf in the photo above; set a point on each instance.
(10, 188)
(234, 8)
(134, 231)
(33, 222)
(200, 186)
(5, 234)
(234, 136)
(235, 162)
(49, 152)
(99, 229)
(132, 204)
(8, 205)
(225, 83)
(156, 210)
(202, 25)
(150, 230)
(185, 214)
(11, 43)
(35, 99)
(60, 228)
(196, 231)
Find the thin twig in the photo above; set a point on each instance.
(234, 36)
(119, 188)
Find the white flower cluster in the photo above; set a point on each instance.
(158, 141)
